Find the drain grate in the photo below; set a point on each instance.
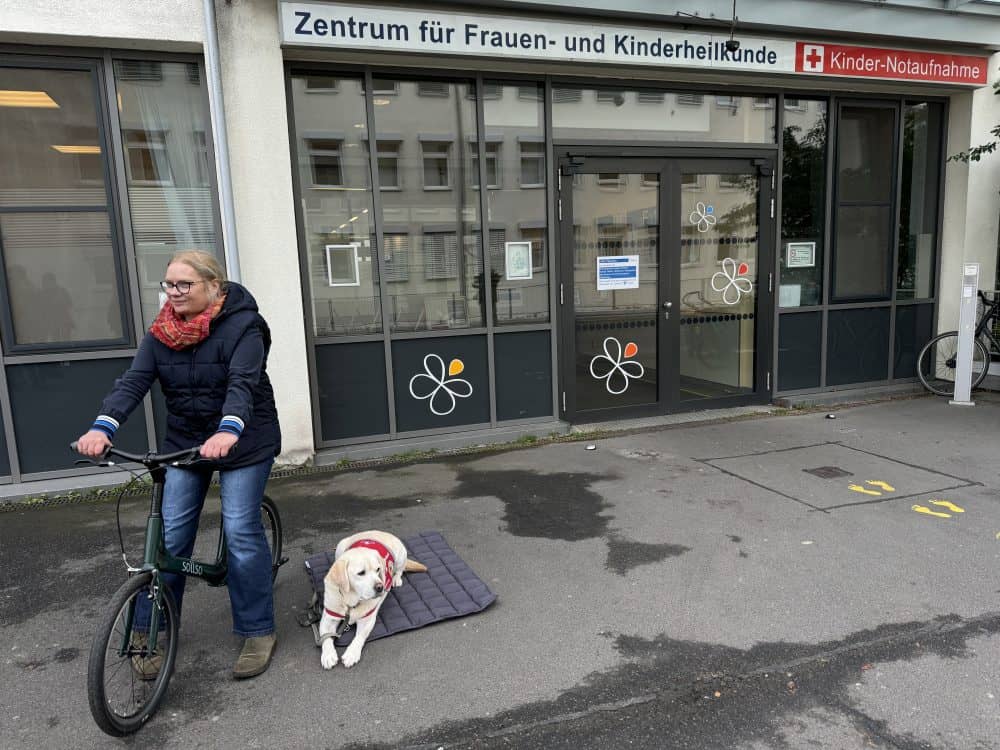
(828, 472)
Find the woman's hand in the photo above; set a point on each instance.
(93, 443)
(219, 445)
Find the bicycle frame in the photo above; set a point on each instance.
(983, 326)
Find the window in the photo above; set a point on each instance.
(492, 165)
(865, 171)
(691, 181)
(532, 164)
(382, 86)
(321, 85)
(923, 126)
(795, 105)
(388, 165)
(763, 102)
(651, 97)
(690, 100)
(611, 180)
(147, 157)
(139, 70)
(730, 182)
(611, 97)
(396, 255)
(727, 102)
(566, 96)
(531, 93)
(432, 88)
(440, 255)
(202, 176)
(324, 158)
(436, 168)
(650, 179)
(193, 73)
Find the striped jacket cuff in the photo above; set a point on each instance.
(231, 424)
(107, 425)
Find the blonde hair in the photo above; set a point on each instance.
(205, 265)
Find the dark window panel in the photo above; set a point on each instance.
(523, 375)
(350, 380)
(53, 403)
(800, 341)
(923, 125)
(441, 382)
(862, 253)
(914, 328)
(857, 346)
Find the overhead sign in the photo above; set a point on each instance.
(362, 27)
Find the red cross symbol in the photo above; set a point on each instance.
(812, 55)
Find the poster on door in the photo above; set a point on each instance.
(617, 272)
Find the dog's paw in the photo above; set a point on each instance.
(329, 658)
(351, 657)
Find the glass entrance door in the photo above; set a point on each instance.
(661, 287)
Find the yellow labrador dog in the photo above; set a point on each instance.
(366, 566)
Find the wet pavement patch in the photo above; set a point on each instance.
(671, 693)
(547, 506)
(625, 554)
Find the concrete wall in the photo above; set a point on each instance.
(170, 25)
(253, 81)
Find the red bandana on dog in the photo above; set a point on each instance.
(177, 333)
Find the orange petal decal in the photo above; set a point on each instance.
(455, 367)
(631, 349)
(743, 269)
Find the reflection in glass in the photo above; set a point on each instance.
(168, 165)
(334, 176)
(430, 224)
(803, 185)
(50, 146)
(918, 208)
(66, 260)
(517, 235)
(660, 116)
(719, 236)
(615, 328)
(863, 249)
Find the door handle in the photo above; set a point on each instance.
(666, 306)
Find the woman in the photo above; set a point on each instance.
(208, 348)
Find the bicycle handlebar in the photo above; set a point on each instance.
(152, 460)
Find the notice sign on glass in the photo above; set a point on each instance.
(800, 255)
(617, 272)
(518, 257)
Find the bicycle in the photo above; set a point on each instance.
(936, 362)
(121, 645)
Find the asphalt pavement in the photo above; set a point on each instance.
(777, 581)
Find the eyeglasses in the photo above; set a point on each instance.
(182, 287)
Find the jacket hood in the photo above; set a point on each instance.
(238, 299)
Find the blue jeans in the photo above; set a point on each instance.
(249, 557)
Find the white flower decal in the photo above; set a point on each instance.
(611, 366)
(433, 385)
(703, 217)
(732, 281)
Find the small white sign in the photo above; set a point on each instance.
(790, 295)
(342, 265)
(617, 272)
(800, 255)
(518, 256)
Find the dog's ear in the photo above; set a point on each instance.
(338, 574)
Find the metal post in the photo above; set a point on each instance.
(966, 335)
(218, 114)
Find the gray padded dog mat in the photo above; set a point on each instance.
(448, 589)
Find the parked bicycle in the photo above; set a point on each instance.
(936, 363)
(141, 623)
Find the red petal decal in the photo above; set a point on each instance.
(631, 349)
(743, 269)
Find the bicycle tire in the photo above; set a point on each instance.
(936, 363)
(272, 522)
(105, 651)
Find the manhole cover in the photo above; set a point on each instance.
(828, 472)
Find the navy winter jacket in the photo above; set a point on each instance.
(219, 384)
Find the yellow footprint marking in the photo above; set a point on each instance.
(929, 512)
(859, 488)
(882, 485)
(950, 506)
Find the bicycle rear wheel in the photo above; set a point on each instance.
(936, 363)
(273, 531)
(121, 693)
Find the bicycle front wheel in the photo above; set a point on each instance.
(937, 363)
(272, 530)
(126, 680)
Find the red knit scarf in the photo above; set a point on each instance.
(177, 333)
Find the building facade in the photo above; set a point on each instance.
(467, 222)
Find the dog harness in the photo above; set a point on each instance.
(388, 562)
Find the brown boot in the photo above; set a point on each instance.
(145, 665)
(255, 656)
